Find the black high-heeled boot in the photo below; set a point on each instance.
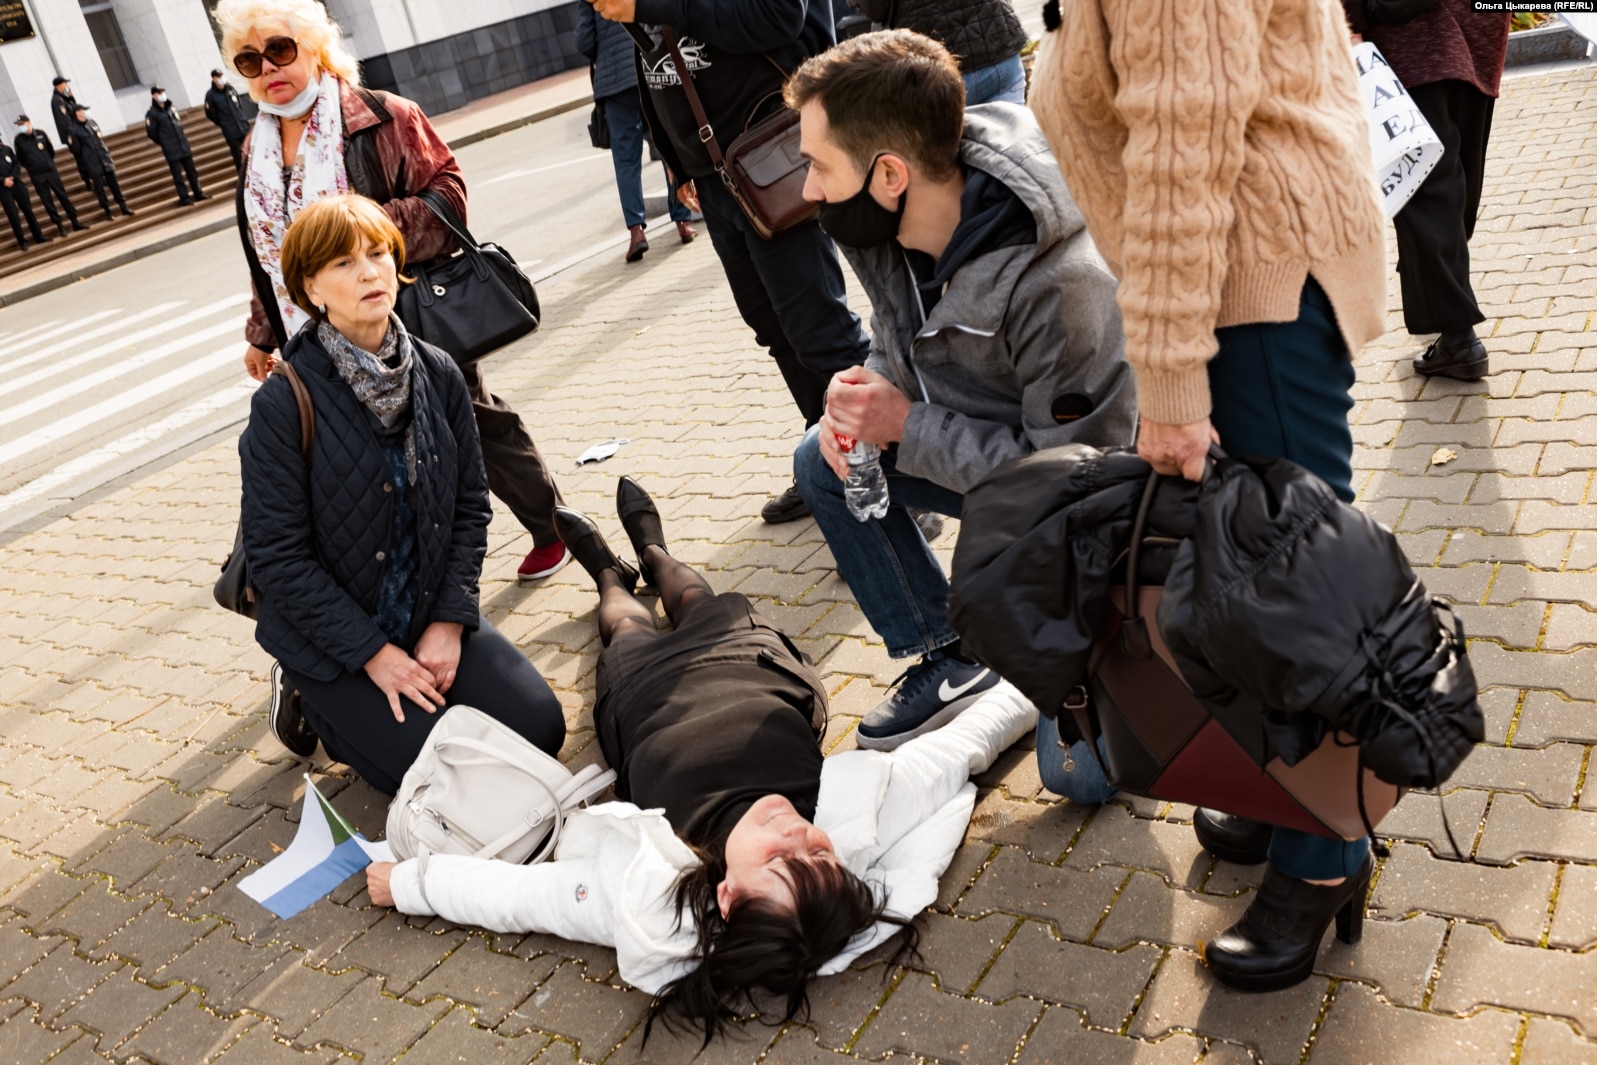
(589, 547)
(1274, 945)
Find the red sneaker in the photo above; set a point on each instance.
(543, 562)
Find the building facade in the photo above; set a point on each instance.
(441, 53)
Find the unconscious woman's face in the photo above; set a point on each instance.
(277, 82)
(358, 287)
(765, 838)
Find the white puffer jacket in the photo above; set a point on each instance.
(895, 820)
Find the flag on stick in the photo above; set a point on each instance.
(325, 852)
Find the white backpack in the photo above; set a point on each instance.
(479, 789)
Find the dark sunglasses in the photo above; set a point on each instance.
(280, 50)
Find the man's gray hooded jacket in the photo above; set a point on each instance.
(1024, 350)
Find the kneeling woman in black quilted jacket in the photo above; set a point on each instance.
(367, 561)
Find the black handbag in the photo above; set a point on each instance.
(469, 304)
(233, 589)
(598, 123)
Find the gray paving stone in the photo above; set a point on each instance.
(1518, 828)
(371, 1024)
(1518, 626)
(1570, 626)
(155, 937)
(1183, 996)
(290, 993)
(1395, 956)
(1071, 899)
(93, 917)
(1515, 582)
(186, 1033)
(492, 984)
(1548, 717)
(1102, 984)
(839, 1004)
(919, 1019)
(956, 950)
(1514, 898)
(1061, 1039)
(1481, 970)
(961, 873)
(1115, 837)
(120, 1006)
(24, 1039)
(1548, 775)
(1419, 817)
(796, 1047)
(57, 981)
(593, 1016)
(258, 1047)
(455, 1041)
(396, 951)
(1360, 1027)
(1555, 1043)
(1044, 829)
(1149, 910)
(1545, 551)
(1575, 919)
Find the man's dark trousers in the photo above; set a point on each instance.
(1435, 226)
(180, 168)
(18, 208)
(790, 292)
(48, 185)
(236, 150)
(517, 473)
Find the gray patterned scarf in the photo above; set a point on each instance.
(379, 380)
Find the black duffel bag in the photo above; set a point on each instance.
(469, 304)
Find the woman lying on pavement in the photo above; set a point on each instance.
(743, 863)
(367, 561)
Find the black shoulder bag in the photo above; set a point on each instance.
(471, 303)
(233, 589)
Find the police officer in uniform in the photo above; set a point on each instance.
(164, 126)
(94, 160)
(221, 107)
(38, 158)
(62, 105)
(14, 198)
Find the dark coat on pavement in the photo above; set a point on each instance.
(609, 48)
(1427, 41)
(317, 538)
(978, 32)
(391, 152)
(222, 109)
(88, 148)
(164, 125)
(36, 152)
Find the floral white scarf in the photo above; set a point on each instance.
(269, 207)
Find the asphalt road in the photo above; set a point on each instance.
(109, 375)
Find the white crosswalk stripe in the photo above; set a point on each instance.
(85, 401)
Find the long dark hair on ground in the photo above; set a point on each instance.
(761, 957)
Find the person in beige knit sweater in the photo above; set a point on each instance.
(1219, 151)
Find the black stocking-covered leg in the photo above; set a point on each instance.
(680, 584)
(619, 610)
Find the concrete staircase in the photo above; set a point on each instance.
(146, 184)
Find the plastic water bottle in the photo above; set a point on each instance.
(866, 487)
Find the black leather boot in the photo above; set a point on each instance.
(1458, 354)
(1274, 945)
(1232, 837)
(588, 546)
(641, 520)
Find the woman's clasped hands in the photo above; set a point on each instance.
(424, 678)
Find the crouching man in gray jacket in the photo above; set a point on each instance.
(994, 326)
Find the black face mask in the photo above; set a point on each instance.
(859, 221)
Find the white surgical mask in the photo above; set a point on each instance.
(299, 106)
(160, 97)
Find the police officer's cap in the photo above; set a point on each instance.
(216, 73)
(59, 81)
(23, 118)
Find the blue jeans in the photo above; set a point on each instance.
(625, 117)
(898, 584)
(1002, 82)
(1285, 389)
(1071, 771)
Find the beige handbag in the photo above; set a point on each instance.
(479, 789)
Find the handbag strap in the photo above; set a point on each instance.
(446, 214)
(302, 399)
(706, 132)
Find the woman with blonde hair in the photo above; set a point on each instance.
(319, 134)
(367, 558)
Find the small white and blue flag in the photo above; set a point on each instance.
(325, 852)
